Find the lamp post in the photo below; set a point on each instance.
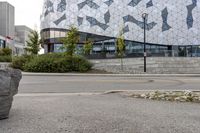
(144, 16)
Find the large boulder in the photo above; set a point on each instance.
(9, 82)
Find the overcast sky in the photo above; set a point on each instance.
(27, 12)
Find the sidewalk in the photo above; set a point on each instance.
(110, 75)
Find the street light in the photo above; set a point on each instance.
(144, 16)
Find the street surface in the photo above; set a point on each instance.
(99, 114)
(76, 104)
(78, 84)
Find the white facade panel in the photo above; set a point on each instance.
(170, 22)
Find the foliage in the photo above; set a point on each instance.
(121, 47)
(53, 62)
(5, 55)
(5, 58)
(80, 64)
(87, 47)
(70, 41)
(18, 62)
(5, 52)
(33, 44)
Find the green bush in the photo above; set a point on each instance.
(19, 61)
(5, 55)
(57, 63)
(80, 64)
(5, 52)
(43, 64)
(5, 58)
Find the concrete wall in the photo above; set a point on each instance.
(4, 65)
(173, 65)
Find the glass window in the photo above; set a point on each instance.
(58, 48)
(43, 35)
(48, 34)
(62, 34)
(2, 43)
(52, 34)
(57, 34)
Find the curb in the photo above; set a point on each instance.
(111, 75)
(144, 91)
(54, 94)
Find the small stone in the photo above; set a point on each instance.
(177, 99)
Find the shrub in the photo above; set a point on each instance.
(58, 63)
(5, 58)
(19, 62)
(43, 64)
(80, 64)
(5, 52)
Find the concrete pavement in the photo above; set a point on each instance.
(99, 114)
(75, 104)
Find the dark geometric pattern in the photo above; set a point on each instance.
(49, 7)
(80, 20)
(165, 25)
(125, 29)
(107, 17)
(109, 2)
(190, 19)
(174, 18)
(134, 3)
(149, 4)
(94, 22)
(57, 22)
(130, 18)
(90, 3)
(62, 6)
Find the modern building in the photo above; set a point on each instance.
(12, 36)
(2, 42)
(172, 27)
(21, 33)
(21, 36)
(7, 20)
(17, 48)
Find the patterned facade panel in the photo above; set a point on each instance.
(169, 22)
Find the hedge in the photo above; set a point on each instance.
(6, 58)
(52, 63)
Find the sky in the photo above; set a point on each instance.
(27, 12)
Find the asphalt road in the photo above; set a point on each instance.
(99, 114)
(79, 84)
(67, 104)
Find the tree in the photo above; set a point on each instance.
(121, 47)
(33, 44)
(87, 47)
(71, 40)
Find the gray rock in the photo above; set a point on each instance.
(9, 82)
